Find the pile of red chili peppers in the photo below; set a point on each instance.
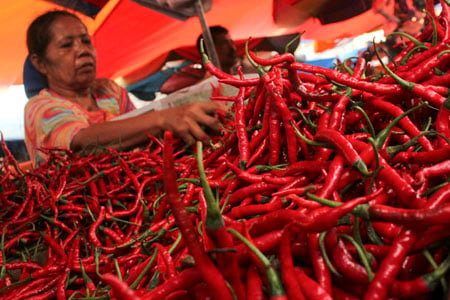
(325, 184)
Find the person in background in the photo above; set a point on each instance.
(228, 57)
(77, 109)
(194, 73)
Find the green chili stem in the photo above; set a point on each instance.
(3, 269)
(308, 141)
(304, 118)
(276, 286)
(85, 276)
(228, 175)
(159, 234)
(325, 256)
(97, 253)
(392, 150)
(101, 173)
(225, 203)
(408, 36)
(360, 210)
(125, 221)
(138, 280)
(434, 38)
(384, 133)
(372, 234)
(410, 53)
(361, 253)
(260, 69)
(26, 280)
(430, 259)
(175, 244)
(145, 234)
(153, 281)
(366, 117)
(407, 85)
(357, 234)
(214, 218)
(117, 267)
(435, 188)
(295, 40)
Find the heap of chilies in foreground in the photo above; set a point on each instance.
(325, 184)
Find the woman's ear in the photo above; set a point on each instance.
(38, 63)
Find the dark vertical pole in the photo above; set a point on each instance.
(207, 38)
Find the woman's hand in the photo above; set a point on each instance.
(186, 120)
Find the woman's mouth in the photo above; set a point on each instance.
(86, 67)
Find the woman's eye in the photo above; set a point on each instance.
(87, 41)
(66, 45)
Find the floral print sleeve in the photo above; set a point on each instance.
(52, 121)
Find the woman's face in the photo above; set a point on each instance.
(70, 58)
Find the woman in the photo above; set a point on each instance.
(76, 110)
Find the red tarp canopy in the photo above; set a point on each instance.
(133, 41)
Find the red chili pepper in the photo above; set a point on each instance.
(344, 262)
(276, 287)
(136, 203)
(209, 272)
(45, 288)
(420, 285)
(311, 289)
(185, 280)
(415, 217)
(344, 79)
(440, 169)
(93, 229)
(405, 122)
(245, 175)
(259, 103)
(254, 284)
(274, 134)
(344, 146)
(121, 290)
(275, 91)
(416, 88)
(239, 212)
(302, 167)
(241, 128)
(87, 280)
(302, 202)
(390, 266)
(61, 288)
(257, 154)
(333, 177)
(423, 157)
(22, 235)
(293, 288)
(339, 294)
(320, 268)
(262, 133)
(55, 246)
(165, 257)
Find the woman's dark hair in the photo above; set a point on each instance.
(215, 30)
(39, 33)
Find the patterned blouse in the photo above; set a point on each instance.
(52, 120)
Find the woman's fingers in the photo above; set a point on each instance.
(186, 121)
(197, 132)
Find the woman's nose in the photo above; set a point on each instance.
(82, 47)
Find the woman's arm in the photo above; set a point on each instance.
(185, 121)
